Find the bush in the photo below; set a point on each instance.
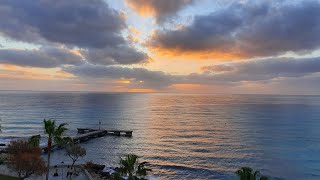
(2, 161)
(25, 159)
(88, 165)
(74, 151)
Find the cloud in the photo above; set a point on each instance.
(261, 70)
(160, 9)
(264, 74)
(86, 39)
(246, 30)
(217, 68)
(45, 57)
(115, 55)
(147, 78)
(74, 22)
(87, 24)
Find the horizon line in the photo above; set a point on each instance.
(160, 92)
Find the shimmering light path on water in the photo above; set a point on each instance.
(183, 136)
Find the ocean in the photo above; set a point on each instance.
(183, 136)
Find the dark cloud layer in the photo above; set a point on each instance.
(88, 24)
(44, 57)
(154, 79)
(74, 22)
(253, 29)
(161, 9)
(115, 55)
(266, 69)
(254, 70)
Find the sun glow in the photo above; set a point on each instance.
(142, 90)
(18, 72)
(142, 9)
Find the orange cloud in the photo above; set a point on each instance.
(76, 52)
(159, 9)
(217, 54)
(185, 87)
(160, 52)
(134, 35)
(143, 90)
(18, 72)
(134, 30)
(143, 9)
(123, 82)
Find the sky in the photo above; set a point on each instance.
(180, 46)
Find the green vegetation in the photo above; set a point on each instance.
(131, 167)
(54, 134)
(247, 173)
(3, 158)
(35, 140)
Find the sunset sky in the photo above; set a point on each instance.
(188, 46)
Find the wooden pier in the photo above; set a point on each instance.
(105, 132)
(85, 134)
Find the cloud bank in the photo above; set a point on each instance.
(247, 30)
(45, 57)
(90, 25)
(86, 41)
(150, 79)
(261, 70)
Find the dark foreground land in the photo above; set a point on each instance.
(2, 177)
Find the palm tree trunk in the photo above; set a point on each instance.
(73, 161)
(49, 155)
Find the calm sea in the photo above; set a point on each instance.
(182, 136)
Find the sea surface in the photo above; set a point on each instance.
(183, 136)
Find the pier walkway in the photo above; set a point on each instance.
(85, 134)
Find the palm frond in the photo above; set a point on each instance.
(264, 178)
(247, 173)
(132, 168)
(49, 126)
(255, 175)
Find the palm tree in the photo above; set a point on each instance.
(34, 140)
(142, 170)
(54, 134)
(247, 173)
(132, 168)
